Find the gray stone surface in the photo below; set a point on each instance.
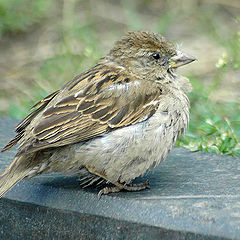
(192, 196)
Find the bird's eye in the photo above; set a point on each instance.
(156, 55)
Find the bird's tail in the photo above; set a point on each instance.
(14, 173)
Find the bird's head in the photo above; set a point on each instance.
(148, 55)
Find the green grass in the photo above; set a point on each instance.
(19, 16)
(214, 126)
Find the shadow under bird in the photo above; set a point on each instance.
(112, 122)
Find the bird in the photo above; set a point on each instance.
(110, 124)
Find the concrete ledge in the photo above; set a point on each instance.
(192, 196)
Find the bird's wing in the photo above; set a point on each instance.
(89, 106)
(20, 128)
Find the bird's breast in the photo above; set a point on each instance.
(129, 152)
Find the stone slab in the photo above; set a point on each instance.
(192, 196)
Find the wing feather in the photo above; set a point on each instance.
(92, 104)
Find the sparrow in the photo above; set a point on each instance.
(112, 122)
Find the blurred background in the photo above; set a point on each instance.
(44, 44)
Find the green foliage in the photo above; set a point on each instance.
(215, 127)
(216, 136)
(19, 15)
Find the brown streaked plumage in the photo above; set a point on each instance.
(134, 87)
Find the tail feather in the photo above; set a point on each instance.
(14, 173)
(8, 181)
(12, 142)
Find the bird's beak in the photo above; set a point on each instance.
(180, 59)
